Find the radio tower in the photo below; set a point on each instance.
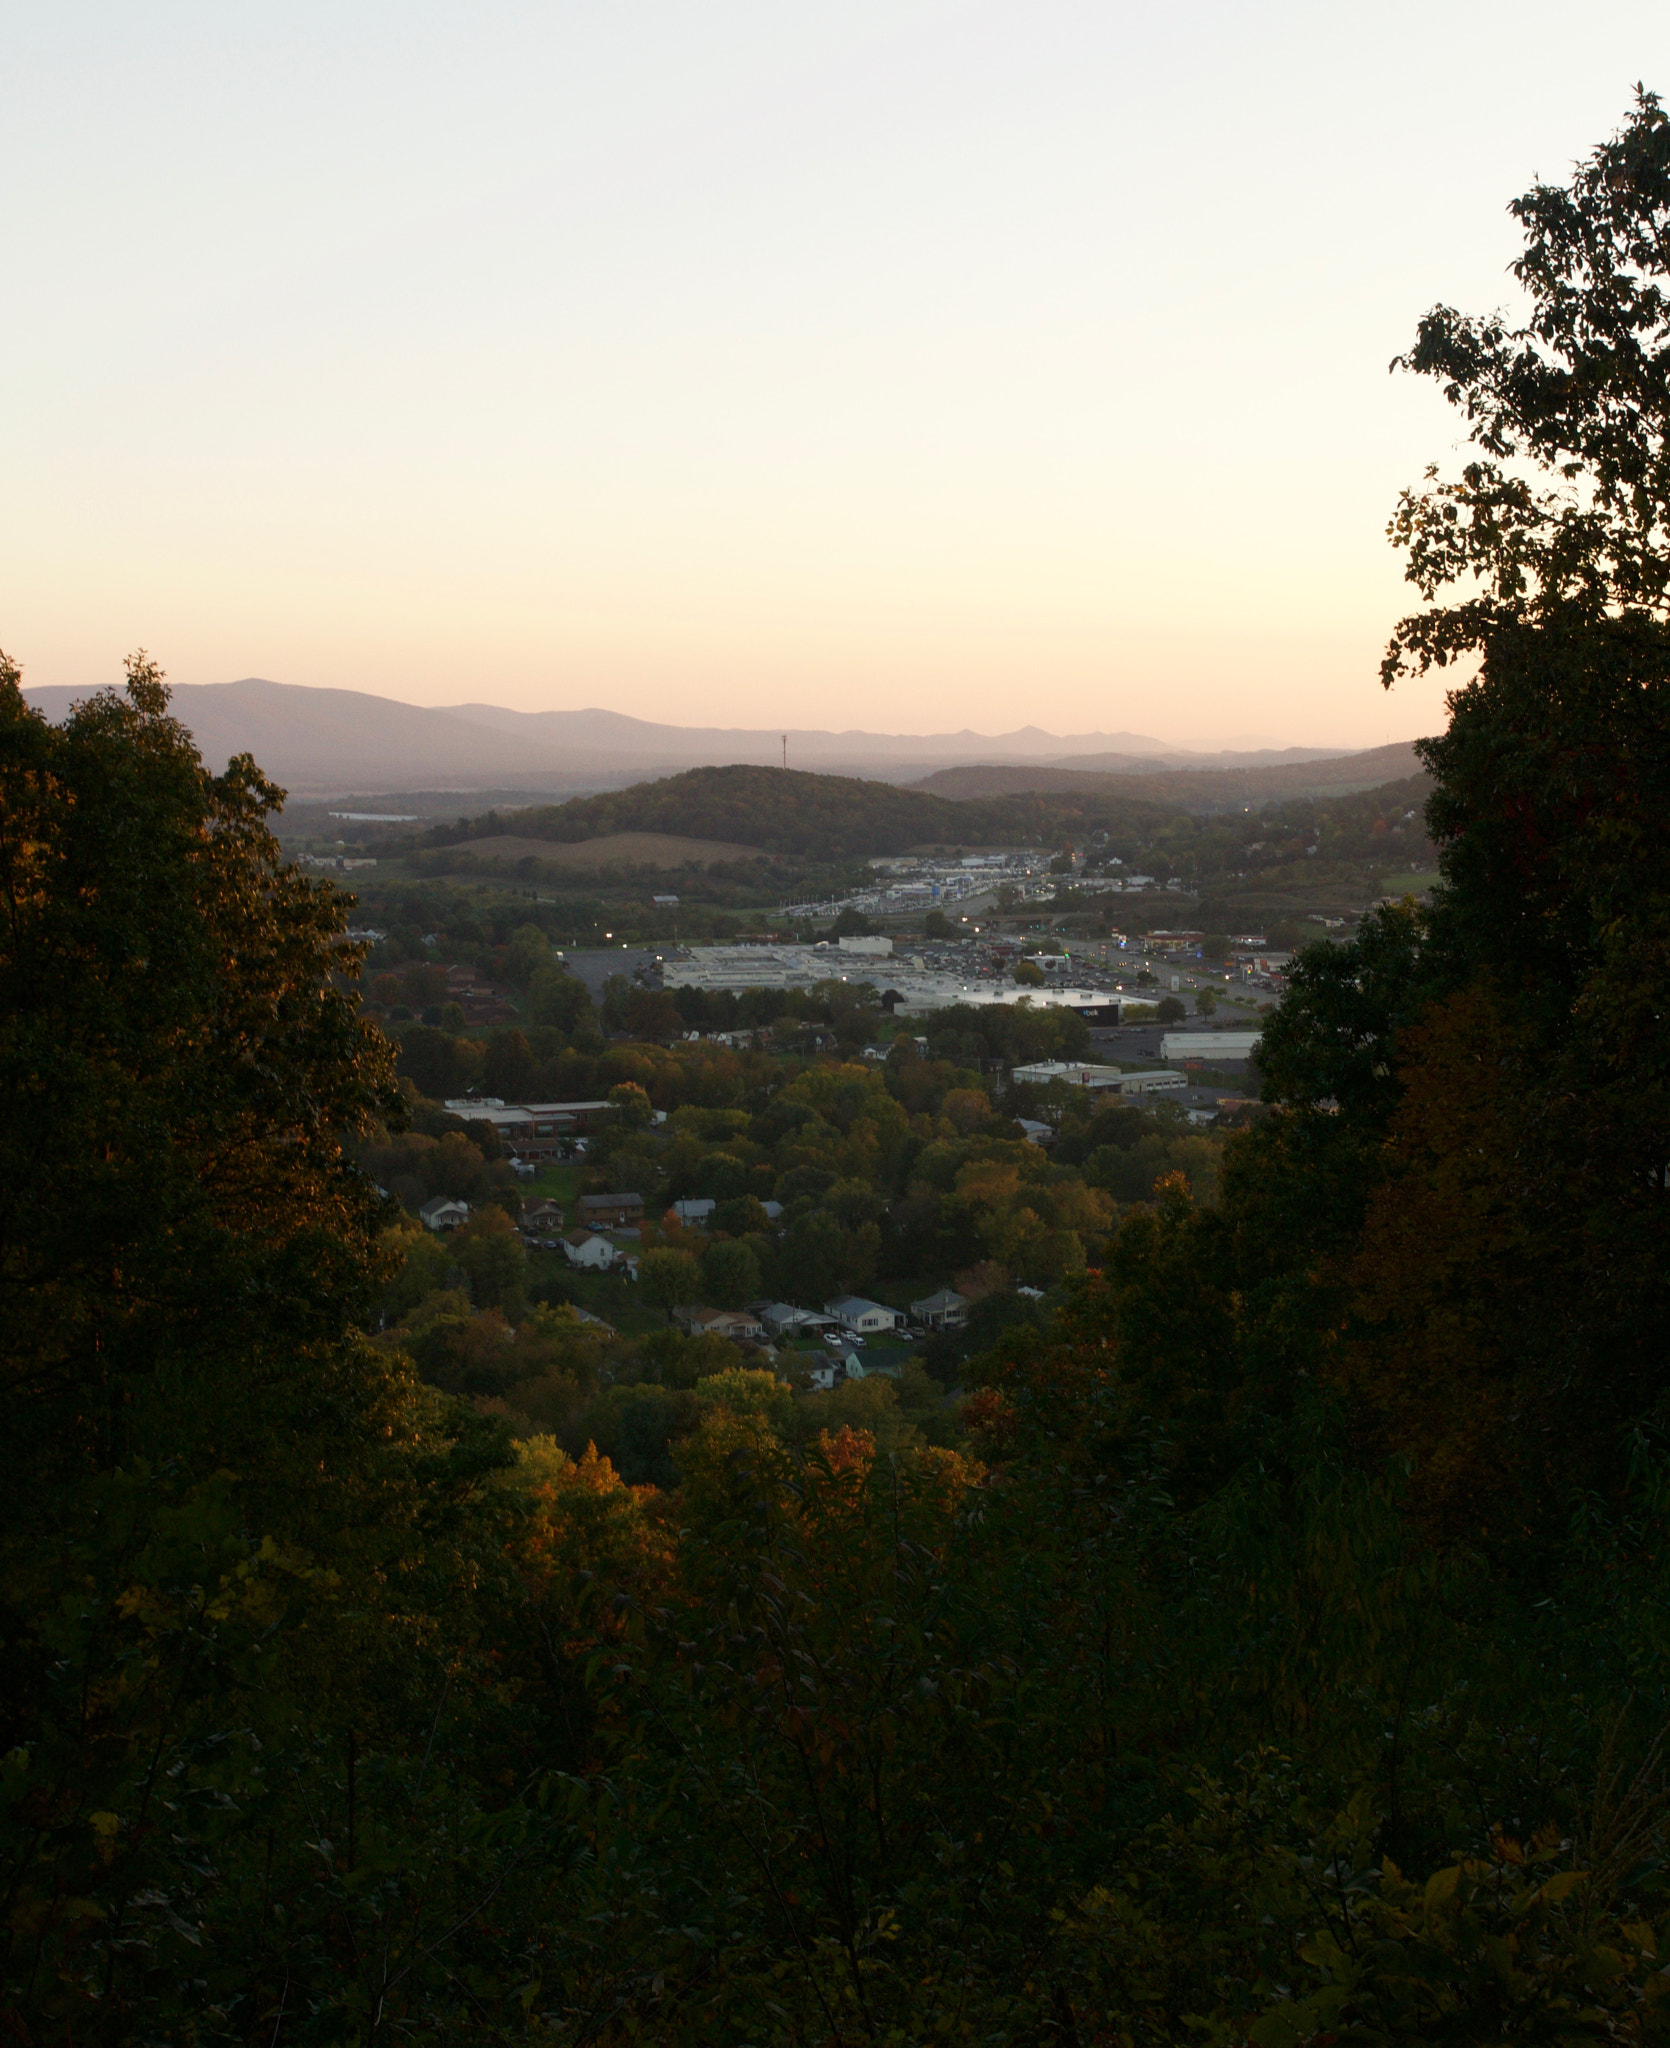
(785, 751)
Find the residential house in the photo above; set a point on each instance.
(782, 1319)
(1034, 1132)
(861, 1318)
(542, 1219)
(611, 1212)
(736, 1324)
(693, 1215)
(586, 1248)
(944, 1310)
(443, 1214)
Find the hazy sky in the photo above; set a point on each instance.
(912, 365)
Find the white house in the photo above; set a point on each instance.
(443, 1214)
(944, 1310)
(586, 1248)
(863, 1318)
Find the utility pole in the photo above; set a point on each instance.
(785, 753)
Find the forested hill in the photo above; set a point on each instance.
(790, 812)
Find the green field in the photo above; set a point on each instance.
(1410, 885)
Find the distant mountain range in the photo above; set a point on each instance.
(341, 742)
(1188, 783)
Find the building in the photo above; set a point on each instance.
(861, 1318)
(542, 1218)
(531, 1130)
(944, 1310)
(736, 1324)
(1213, 1047)
(610, 1212)
(871, 948)
(1034, 1132)
(1041, 1072)
(1152, 1081)
(693, 1215)
(443, 1214)
(782, 1319)
(585, 1248)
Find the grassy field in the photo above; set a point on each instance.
(1411, 884)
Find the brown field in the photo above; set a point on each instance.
(615, 849)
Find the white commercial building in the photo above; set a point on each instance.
(1209, 1045)
(919, 990)
(1041, 1072)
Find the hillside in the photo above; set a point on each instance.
(1188, 787)
(828, 817)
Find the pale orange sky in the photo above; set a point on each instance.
(910, 366)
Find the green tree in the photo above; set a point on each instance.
(490, 1252)
(1170, 1011)
(730, 1274)
(1579, 392)
(667, 1279)
(1029, 974)
(630, 1105)
(936, 925)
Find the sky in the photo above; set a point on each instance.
(912, 366)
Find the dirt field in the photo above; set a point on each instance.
(618, 849)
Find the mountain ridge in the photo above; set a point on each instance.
(318, 742)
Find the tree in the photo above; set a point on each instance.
(651, 1014)
(508, 1068)
(936, 925)
(667, 1279)
(730, 1274)
(491, 1254)
(630, 1105)
(1580, 393)
(558, 998)
(1170, 1011)
(1029, 974)
(1206, 1001)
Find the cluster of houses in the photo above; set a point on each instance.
(844, 1323)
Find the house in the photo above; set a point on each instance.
(782, 1319)
(1034, 1132)
(694, 1214)
(542, 1219)
(443, 1214)
(944, 1310)
(586, 1248)
(861, 1318)
(736, 1324)
(611, 1212)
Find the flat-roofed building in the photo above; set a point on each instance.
(1209, 1046)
